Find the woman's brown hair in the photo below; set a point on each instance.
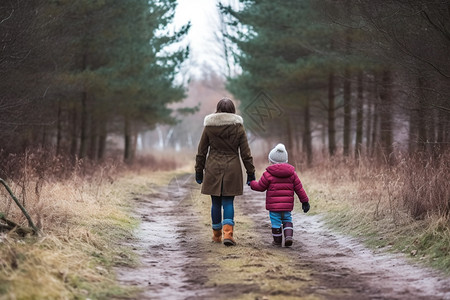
(225, 105)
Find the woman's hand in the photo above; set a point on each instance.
(250, 177)
(199, 177)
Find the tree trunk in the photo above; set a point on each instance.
(93, 143)
(331, 116)
(134, 144)
(347, 91)
(58, 129)
(386, 117)
(368, 121)
(83, 126)
(434, 128)
(290, 139)
(359, 116)
(347, 112)
(307, 138)
(297, 132)
(421, 121)
(431, 130)
(128, 136)
(84, 116)
(375, 129)
(223, 26)
(74, 132)
(412, 131)
(442, 120)
(101, 139)
(375, 112)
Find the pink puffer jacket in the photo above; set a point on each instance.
(280, 181)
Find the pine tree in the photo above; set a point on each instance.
(100, 65)
(282, 46)
(144, 78)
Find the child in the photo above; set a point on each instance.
(280, 181)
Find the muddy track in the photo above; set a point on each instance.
(173, 245)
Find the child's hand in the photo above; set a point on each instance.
(305, 207)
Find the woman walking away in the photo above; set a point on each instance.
(280, 181)
(224, 136)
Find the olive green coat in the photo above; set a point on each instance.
(222, 141)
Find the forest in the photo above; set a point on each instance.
(361, 79)
(358, 91)
(74, 72)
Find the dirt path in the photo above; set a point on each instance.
(340, 262)
(167, 245)
(178, 261)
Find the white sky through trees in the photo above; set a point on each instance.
(205, 55)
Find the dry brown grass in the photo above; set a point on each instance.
(404, 207)
(82, 210)
(425, 186)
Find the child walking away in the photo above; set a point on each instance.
(280, 181)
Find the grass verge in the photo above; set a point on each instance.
(83, 223)
(369, 204)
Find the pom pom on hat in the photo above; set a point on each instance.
(278, 154)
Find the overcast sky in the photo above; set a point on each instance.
(205, 50)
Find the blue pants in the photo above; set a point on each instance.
(279, 217)
(216, 211)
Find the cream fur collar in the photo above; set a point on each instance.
(219, 119)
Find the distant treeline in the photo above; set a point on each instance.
(352, 77)
(73, 72)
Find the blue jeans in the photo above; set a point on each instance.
(216, 211)
(279, 217)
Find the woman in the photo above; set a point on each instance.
(224, 136)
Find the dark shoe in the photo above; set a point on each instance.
(277, 236)
(288, 242)
(288, 232)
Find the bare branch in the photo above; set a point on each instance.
(446, 109)
(406, 51)
(6, 19)
(445, 33)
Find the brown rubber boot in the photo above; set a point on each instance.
(228, 235)
(217, 236)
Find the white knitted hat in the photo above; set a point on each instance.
(278, 154)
